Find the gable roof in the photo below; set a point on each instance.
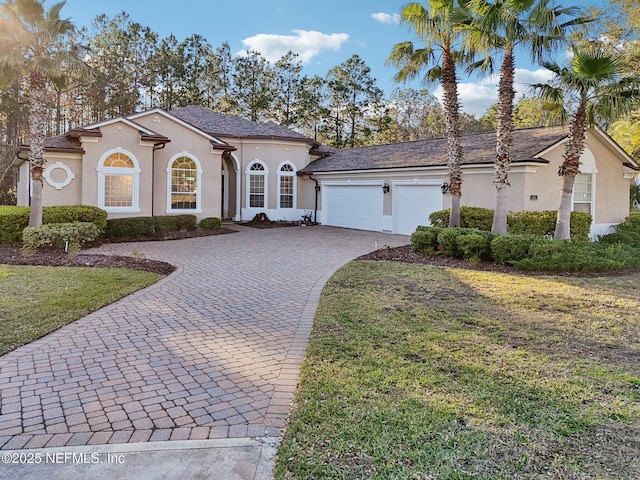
(217, 124)
(478, 148)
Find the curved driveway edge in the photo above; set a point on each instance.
(213, 351)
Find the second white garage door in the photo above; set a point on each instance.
(352, 206)
(412, 205)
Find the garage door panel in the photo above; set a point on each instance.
(412, 205)
(353, 206)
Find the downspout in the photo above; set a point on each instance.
(317, 189)
(156, 146)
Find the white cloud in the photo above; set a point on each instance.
(306, 43)
(388, 18)
(527, 77)
(476, 98)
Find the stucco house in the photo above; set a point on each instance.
(194, 160)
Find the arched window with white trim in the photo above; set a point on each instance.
(286, 185)
(184, 184)
(118, 182)
(257, 182)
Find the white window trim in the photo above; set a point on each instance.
(588, 167)
(198, 208)
(114, 171)
(248, 174)
(295, 183)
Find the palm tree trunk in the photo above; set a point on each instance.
(37, 120)
(452, 125)
(570, 168)
(563, 222)
(504, 131)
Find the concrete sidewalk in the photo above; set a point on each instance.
(228, 459)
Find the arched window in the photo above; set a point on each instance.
(286, 186)
(183, 175)
(118, 182)
(257, 174)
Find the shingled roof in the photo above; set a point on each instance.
(478, 149)
(59, 143)
(217, 124)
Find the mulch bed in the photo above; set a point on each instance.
(10, 254)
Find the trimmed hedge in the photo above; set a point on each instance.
(210, 223)
(56, 235)
(168, 223)
(453, 242)
(425, 240)
(525, 223)
(470, 217)
(130, 227)
(509, 249)
(136, 227)
(525, 252)
(75, 213)
(13, 220)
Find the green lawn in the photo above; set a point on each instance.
(420, 372)
(38, 300)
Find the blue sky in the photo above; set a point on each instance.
(325, 33)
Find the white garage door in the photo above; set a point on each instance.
(412, 205)
(353, 206)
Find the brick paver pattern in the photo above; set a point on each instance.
(212, 351)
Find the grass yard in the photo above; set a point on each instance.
(421, 372)
(39, 300)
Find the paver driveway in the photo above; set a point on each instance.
(213, 351)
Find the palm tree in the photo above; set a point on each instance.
(32, 50)
(503, 25)
(434, 27)
(593, 82)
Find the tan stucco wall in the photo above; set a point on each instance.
(185, 141)
(70, 194)
(272, 153)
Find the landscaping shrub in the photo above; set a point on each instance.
(167, 223)
(425, 240)
(130, 227)
(75, 213)
(628, 232)
(474, 247)
(544, 224)
(524, 223)
(580, 226)
(56, 235)
(210, 223)
(470, 217)
(447, 240)
(510, 248)
(571, 256)
(13, 221)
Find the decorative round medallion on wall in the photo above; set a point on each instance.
(58, 180)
